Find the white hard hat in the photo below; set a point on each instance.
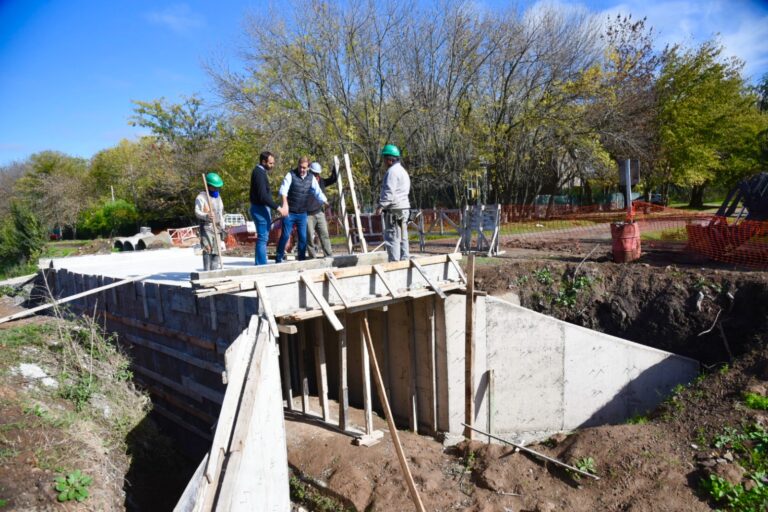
(315, 168)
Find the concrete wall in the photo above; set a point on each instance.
(550, 375)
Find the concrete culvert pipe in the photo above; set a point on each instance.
(118, 244)
(161, 241)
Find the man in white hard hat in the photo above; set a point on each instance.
(316, 221)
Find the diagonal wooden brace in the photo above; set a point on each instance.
(327, 311)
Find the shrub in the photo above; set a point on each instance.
(112, 218)
(22, 237)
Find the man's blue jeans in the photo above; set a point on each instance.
(262, 219)
(300, 219)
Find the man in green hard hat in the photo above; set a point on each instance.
(207, 217)
(394, 204)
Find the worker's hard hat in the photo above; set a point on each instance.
(214, 180)
(315, 168)
(390, 150)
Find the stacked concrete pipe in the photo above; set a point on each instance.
(143, 240)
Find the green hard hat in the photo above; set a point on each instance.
(214, 180)
(390, 150)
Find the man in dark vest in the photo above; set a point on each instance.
(297, 191)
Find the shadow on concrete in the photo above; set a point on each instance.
(641, 395)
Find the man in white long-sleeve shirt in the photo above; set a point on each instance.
(206, 218)
(394, 204)
(297, 189)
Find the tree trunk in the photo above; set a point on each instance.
(697, 196)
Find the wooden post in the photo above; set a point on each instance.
(321, 368)
(343, 389)
(390, 422)
(469, 349)
(367, 409)
(413, 401)
(358, 222)
(343, 205)
(303, 380)
(286, 367)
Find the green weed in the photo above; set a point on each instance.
(30, 334)
(571, 289)
(756, 401)
(303, 493)
(585, 464)
(3, 502)
(737, 497)
(79, 392)
(73, 486)
(638, 419)
(543, 276)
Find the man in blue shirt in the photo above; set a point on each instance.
(297, 190)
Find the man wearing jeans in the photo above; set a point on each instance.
(261, 202)
(316, 220)
(394, 204)
(298, 188)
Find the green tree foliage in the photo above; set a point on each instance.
(709, 123)
(22, 236)
(54, 187)
(109, 219)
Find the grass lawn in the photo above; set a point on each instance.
(705, 208)
(673, 234)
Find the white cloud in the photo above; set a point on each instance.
(179, 18)
(741, 25)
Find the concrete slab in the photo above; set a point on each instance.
(168, 266)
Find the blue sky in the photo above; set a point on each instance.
(69, 69)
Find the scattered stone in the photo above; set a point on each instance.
(694, 446)
(728, 456)
(545, 506)
(558, 438)
(34, 372)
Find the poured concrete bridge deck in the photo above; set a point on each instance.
(168, 266)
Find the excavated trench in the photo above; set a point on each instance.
(711, 315)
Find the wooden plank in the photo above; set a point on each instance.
(287, 329)
(285, 377)
(367, 304)
(428, 279)
(452, 258)
(242, 353)
(32, 311)
(413, 404)
(358, 222)
(214, 316)
(343, 387)
(266, 307)
(390, 421)
(144, 299)
(432, 364)
(321, 368)
(366, 367)
(176, 354)
(336, 287)
(380, 273)
(163, 331)
(303, 379)
(257, 467)
(469, 350)
(181, 422)
(191, 495)
(327, 311)
(343, 205)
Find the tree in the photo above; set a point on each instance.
(709, 122)
(184, 149)
(54, 187)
